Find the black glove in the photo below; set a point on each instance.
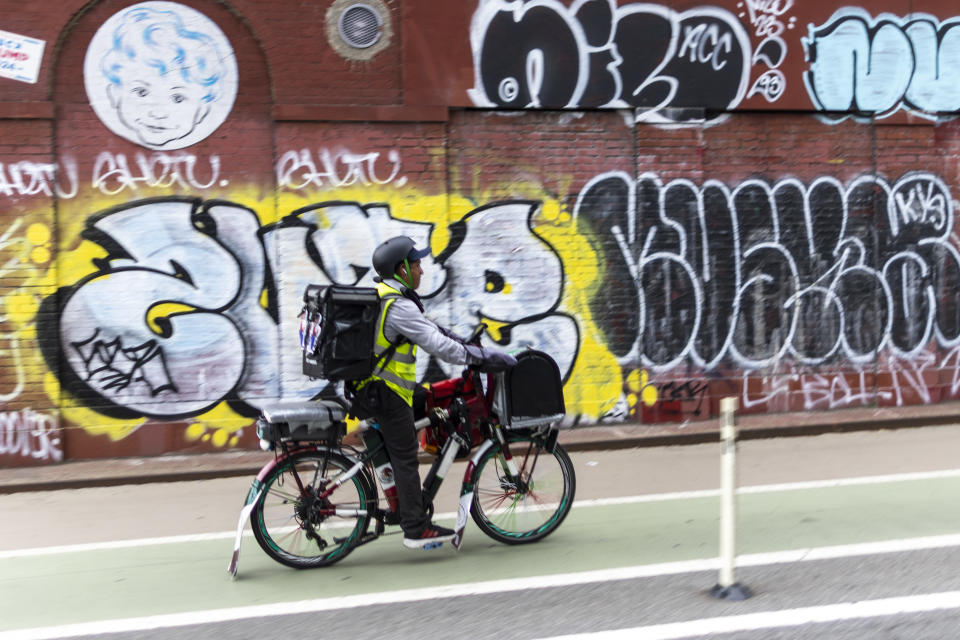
(490, 360)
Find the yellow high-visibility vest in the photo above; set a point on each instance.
(400, 372)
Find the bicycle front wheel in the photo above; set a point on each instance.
(527, 507)
(296, 524)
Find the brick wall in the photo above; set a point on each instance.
(666, 254)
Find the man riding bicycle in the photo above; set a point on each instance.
(388, 394)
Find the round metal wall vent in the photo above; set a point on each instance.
(360, 26)
(358, 30)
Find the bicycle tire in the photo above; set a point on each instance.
(531, 512)
(287, 523)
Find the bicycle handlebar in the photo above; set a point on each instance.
(477, 332)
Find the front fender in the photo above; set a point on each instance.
(466, 492)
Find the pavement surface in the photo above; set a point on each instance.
(855, 530)
(174, 467)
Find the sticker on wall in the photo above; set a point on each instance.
(20, 57)
(160, 74)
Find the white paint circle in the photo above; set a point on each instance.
(509, 89)
(161, 75)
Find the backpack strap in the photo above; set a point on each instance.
(387, 355)
(360, 405)
(354, 388)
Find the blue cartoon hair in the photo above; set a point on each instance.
(160, 40)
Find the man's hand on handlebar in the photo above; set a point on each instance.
(489, 360)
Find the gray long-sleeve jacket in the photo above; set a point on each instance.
(405, 318)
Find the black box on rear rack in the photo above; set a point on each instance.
(338, 331)
(531, 393)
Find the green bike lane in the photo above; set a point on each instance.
(71, 587)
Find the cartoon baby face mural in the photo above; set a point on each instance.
(161, 75)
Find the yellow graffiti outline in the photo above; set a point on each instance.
(75, 261)
(592, 389)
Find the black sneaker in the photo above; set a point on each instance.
(430, 538)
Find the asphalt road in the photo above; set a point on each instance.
(851, 536)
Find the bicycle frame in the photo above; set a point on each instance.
(465, 423)
(361, 464)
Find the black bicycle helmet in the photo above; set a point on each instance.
(393, 252)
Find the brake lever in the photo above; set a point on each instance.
(474, 338)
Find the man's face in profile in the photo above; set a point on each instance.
(157, 107)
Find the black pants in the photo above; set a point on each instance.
(400, 437)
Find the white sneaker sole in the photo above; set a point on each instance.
(427, 543)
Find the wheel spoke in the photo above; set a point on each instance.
(528, 507)
(283, 495)
(302, 530)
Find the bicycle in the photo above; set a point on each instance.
(313, 504)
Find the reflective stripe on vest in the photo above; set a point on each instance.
(400, 373)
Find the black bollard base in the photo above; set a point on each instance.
(735, 591)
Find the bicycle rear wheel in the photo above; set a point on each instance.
(527, 508)
(296, 526)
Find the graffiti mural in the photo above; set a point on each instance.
(29, 430)
(880, 65)
(113, 173)
(810, 274)
(30, 434)
(190, 305)
(160, 74)
(542, 54)
(829, 390)
(171, 278)
(182, 313)
(299, 169)
(644, 190)
(27, 178)
(770, 21)
(502, 273)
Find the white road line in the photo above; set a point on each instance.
(477, 588)
(600, 502)
(115, 544)
(779, 619)
(774, 488)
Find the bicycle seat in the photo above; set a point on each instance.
(301, 420)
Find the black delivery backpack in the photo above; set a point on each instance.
(338, 330)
